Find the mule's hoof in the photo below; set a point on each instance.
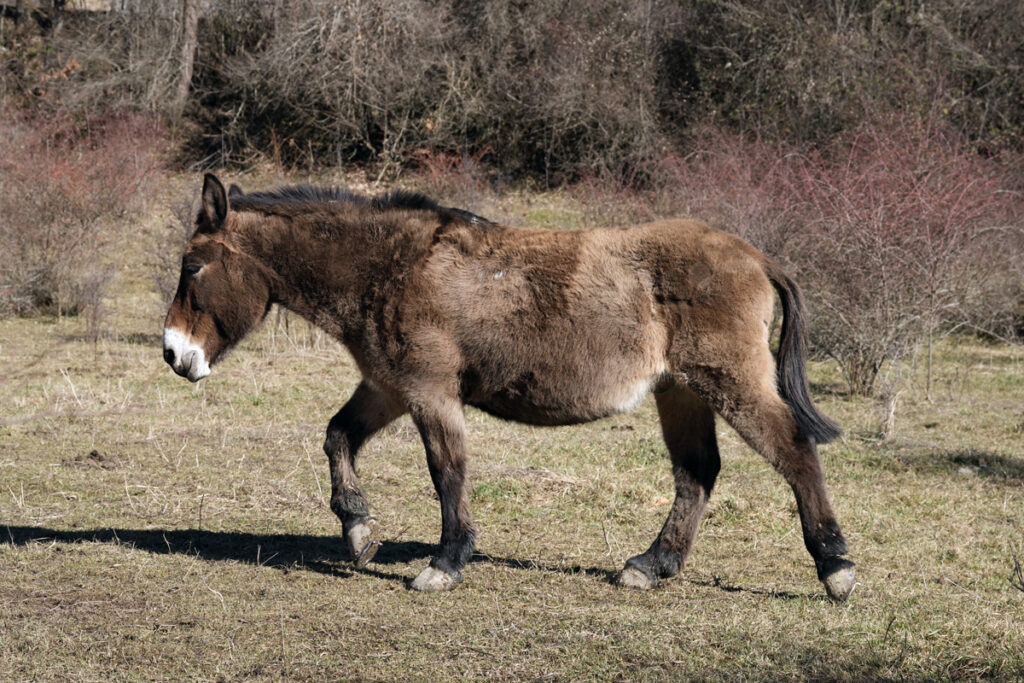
(361, 544)
(433, 580)
(631, 577)
(363, 558)
(839, 584)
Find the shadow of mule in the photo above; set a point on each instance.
(322, 554)
(290, 552)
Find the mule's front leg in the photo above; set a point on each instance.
(365, 413)
(443, 431)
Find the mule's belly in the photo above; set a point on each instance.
(548, 392)
(536, 411)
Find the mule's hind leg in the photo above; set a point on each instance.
(688, 425)
(441, 426)
(366, 412)
(750, 403)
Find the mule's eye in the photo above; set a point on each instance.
(190, 269)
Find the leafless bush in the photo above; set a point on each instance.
(554, 90)
(549, 88)
(462, 180)
(97, 61)
(580, 87)
(808, 70)
(63, 182)
(740, 183)
(894, 250)
(613, 200)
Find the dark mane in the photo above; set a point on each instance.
(295, 196)
(288, 199)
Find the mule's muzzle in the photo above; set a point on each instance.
(185, 357)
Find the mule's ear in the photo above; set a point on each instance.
(234, 191)
(215, 203)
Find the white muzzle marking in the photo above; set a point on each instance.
(186, 357)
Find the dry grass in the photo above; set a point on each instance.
(150, 528)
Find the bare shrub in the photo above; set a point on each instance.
(609, 201)
(555, 90)
(551, 88)
(97, 61)
(370, 77)
(463, 180)
(63, 182)
(740, 183)
(808, 70)
(894, 256)
(563, 90)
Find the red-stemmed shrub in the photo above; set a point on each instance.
(65, 185)
(896, 251)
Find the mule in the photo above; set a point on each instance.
(441, 309)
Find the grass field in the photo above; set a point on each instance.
(155, 529)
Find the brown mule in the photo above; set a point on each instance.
(441, 309)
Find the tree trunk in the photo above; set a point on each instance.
(189, 26)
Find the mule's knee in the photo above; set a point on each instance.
(338, 440)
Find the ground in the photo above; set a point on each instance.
(151, 528)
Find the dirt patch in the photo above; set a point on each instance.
(96, 459)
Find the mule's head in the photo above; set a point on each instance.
(222, 292)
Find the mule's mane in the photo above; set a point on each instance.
(298, 197)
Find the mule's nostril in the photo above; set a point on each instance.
(169, 356)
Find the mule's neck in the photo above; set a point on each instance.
(330, 263)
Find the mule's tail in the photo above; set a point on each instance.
(792, 361)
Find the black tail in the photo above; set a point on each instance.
(792, 361)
